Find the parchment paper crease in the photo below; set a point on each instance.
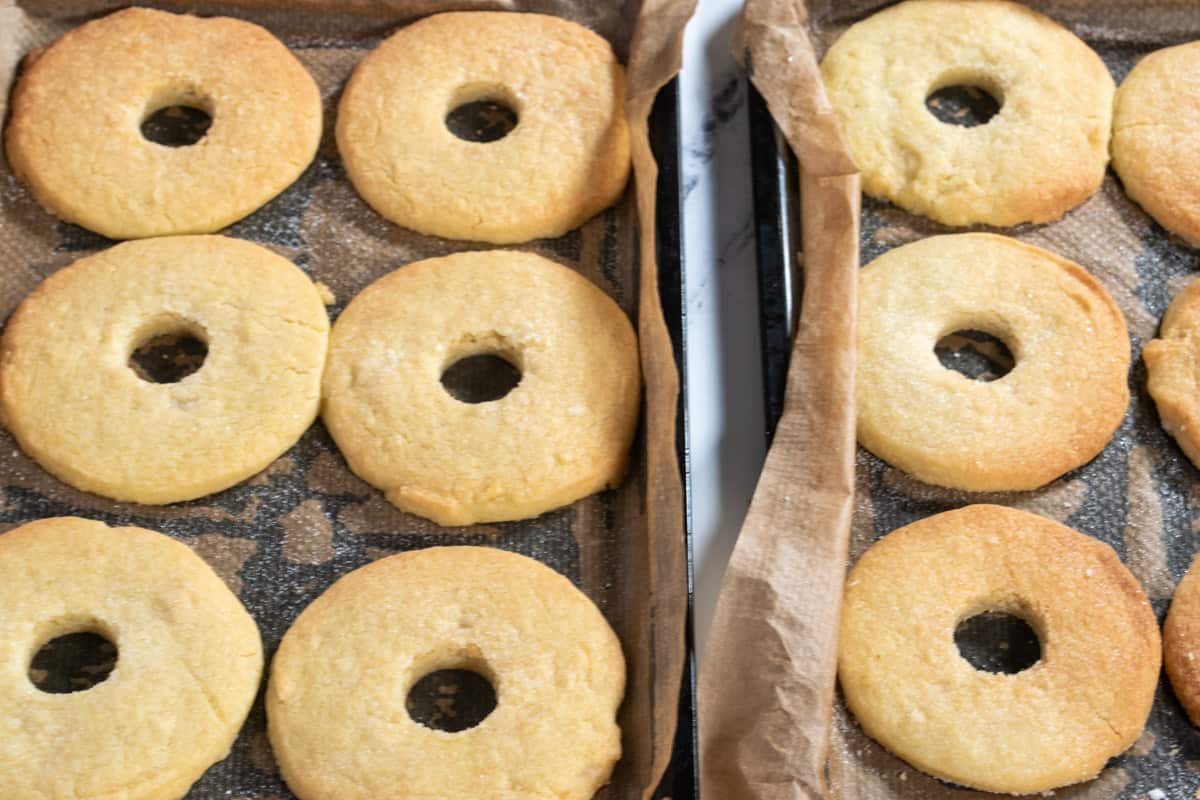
(767, 683)
(284, 536)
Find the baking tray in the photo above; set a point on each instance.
(229, 530)
(1165, 761)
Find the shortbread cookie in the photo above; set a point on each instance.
(566, 160)
(1055, 723)
(75, 135)
(1156, 124)
(189, 661)
(1053, 412)
(1042, 154)
(340, 681)
(1173, 370)
(1181, 643)
(73, 400)
(563, 433)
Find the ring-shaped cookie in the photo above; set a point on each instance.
(75, 133)
(1042, 154)
(563, 433)
(1181, 642)
(566, 160)
(1156, 121)
(1173, 370)
(344, 669)
(1053, 724)
(189, 661)
(1053, 412)
(72, 400)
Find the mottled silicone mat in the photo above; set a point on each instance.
(282, 537)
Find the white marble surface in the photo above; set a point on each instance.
(723, 365)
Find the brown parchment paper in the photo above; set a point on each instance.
(285, 535)
(764, 718)
(1140, 494)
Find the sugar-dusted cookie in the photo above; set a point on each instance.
(1054, 411)
(188, 663)
(1043, 153)
(1054, 723)
(1156, 124)
(1173, 370)
(76, 138)
(566, 160)
(1181, 642)
(564, 430)
(75, 400)
(337, 701)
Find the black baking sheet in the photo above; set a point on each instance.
(1167, 757)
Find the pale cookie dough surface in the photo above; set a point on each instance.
(1156, 135)
(563, 433)
(566, 160)
(1055, 723)
(1054, 411)
(1042, 154)
(189, 660)
(336, 701)
(73, 402)
(75, 133)
(1173, 370)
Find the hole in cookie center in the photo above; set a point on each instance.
(485, 120)
(451, 700)
(480, 378)
(998, 642)
(975, 355)
(176, 126)
(72, 663)
(168, 356)
(963, 105)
